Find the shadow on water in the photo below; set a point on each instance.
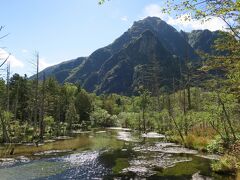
(108, 154)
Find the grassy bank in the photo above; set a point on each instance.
(229, 162)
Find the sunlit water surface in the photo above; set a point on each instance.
(106, 154)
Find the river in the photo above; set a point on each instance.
(112, 153)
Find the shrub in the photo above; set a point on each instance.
(216, 146)
(227, 164)
(101, 117)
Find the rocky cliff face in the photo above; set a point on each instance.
(202, 40)
(150, 53)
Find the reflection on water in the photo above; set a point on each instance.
(106, 154)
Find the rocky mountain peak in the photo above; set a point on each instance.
(120, 67)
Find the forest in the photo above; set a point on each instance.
(199, 111)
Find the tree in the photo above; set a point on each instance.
(19, 96)
(101, 117)
(144, 102)
(36, 101)
(227, 10)
(71, 115)
(83, 105)
(108, 104)
(229, 63)
(42, 112)
(5, 60)
(2, 93)
(5, 118)
(52, 97)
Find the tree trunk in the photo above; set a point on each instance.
(189, 98)
(6, 138)
(16, 103)
(228, 118)
(173, 120)
(36, 108)
(41, 123)
(144, 120)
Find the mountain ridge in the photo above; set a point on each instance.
(115, 68)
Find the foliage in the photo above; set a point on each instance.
(227, 164)
(101, 117)
(49, 125)
(216, 145)
(83, 105)
(129, 119)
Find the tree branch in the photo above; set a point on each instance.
(5, 60)
(231, 28)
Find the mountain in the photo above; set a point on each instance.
(61, 71)
(202, 40)
(150, 53)
(126, 70)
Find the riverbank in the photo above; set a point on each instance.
(229, 158)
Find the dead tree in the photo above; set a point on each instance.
(8, 80)
(41, 123)
(36, 104)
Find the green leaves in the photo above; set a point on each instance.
(101, 2)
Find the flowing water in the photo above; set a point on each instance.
(106, 154)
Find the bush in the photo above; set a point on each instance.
(216, 146)
(16, 131)
(128, 120)
(101, 117)
(196, 142)
(227, 164)
(49, 125)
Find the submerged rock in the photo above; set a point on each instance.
(119, 128)
(198, 176)
(100, 132)
(63, 137)
(145, 166)
(164, 148)
(159, 156)
(51, 152)
(5, 162)
(126, 136)
(152, 135)
(161, 161)
(139, 171)
(81, 132)
(33, 144)
(210, 156)
(178, 150)
(49, 141)
(23, 159)
(166, 144)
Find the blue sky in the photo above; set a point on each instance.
(65, 29)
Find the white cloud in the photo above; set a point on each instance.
(181, 23)
(43, 64)
(15, 63)
(154, 10)
(212, 24)
(24, 51)
(124, 18)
